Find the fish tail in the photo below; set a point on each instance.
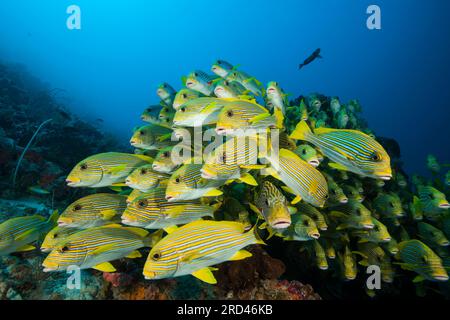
(256, 238)
(153, 238)
(300, 66)
(301, 132)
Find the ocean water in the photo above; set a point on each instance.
(110, 68)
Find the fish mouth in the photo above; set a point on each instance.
(48, 269)
(386, 239)
(385, 177)
(350, 277)
(315, 235)
(444, 205)
(189, 84)
(133, 142)
(323, 267)
(219, 89)
(46, 249)
(170, 198)
(206, 175)
(314, 163)
(441, 278)
(71, 183)
(221, 131)
(445, 244)
(129, 222)
(281, 224)
(343, 200)
(368, 226)
(155, 167)
(271, 90)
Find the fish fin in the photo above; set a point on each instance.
(139, 231)
(27, 247)
(363, 240)
(337, 166)
(258, 239)
(53, 219)
(205, 275)
(272, 172)
(301, 131)
(119, 184)
(364, 263)
(24, 235)
(297, 199)
(342, 226)
(287, 189)
(418, 278)
(209, 108)
(360, 254)
(292, 210)
(263, 226)
(279, 117)
(253, 166)
(170, 229)
(144, 158)
(164, 137)
(213, 193)
(116, 188)
(248, 179)
(247, 97)
(240, 255)
(404, 266)
(183, 80)
(256, 210)
(259, 118)
(108, 214)
(323, 130)
(102, 249)
(105, 267)
(338, 214)
(134, 254)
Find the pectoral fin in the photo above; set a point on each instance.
(26, 248)
(241, 254)
(105, 267)
(248, 179)
(170, 229)
(296, 200)
(205, 275)
(108, 214)
(213, 193)
(134, 254)
(337, 166)
(419, 278)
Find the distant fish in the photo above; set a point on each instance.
(311, 58)
(38, 190)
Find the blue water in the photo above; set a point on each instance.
(111, 67)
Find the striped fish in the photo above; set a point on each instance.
(199, 112)
(95, 247)
(151, 210)
(163, 160)
(186, 183)
(166, 93)
(229, 89)
(432, 201)
(200, 81)
(148, 115)
(250, 83)
(221, 68)
(347, 263)
(353, 215)
(276, 96)
(195, 247)
(336, 194)
(308, 154)
(388, 205)
(272, 206)
(240, 116)
(320, 256)
(378, 234)
(152, 137)
(145, 178)
(418, 257)
(105, 169)
(314, 214)
(183, 96)
(350, 150)
(56, 235)
(432, 235)
(93, 211)
(231, 159)
(301, 179)
(133, 195)
(18, 234)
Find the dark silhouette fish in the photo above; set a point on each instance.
(311, 58)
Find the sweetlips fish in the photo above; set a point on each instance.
(151, 210)
(336, 194)
(401, 180)
(166, 93)
(232, 159)
(433, 202)
(152, 137)
(164, 163)
(301, 179)
(199, 111)
(199, 81)
(229, 89)
(348, 266)
(105, 169)
(195, 247)
(19, 234)
(318, 218)
(447, 178)
(418, 257)
(222, 68)
(271, 205)
(145, 178)
(235, 211)
(308, 154)
(375, 255)
(56, 235)
(389, 205)
(148, 115)
(342, 118)
(335, 105)
(186, 183)
(183, 96)
(276, 96)
(93, 210)
(391, 246)
(379, 233)
(320, 255)
(314, 103)
(351, 150)
(353, 193)
(165, 116)
(38, 190)
(96, 247)
(250, 83)
(432, 235)
(243, 117)
(353, 215)
(433, 164)
(330, 251)
(302, 228)
(303, 111)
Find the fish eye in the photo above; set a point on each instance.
(55, 235)
(164, 109)
(266, 202)
(141, 132)
(376, 228)
(229, 113)
(223, 157)
(83, 166)
(77, 207)
(143, 171)
(219, 62)
(184, 95)
(424, 260)
(358, 212)
(306, 223)
(166, 154)
(156, 256)
(391, 204)
(375, 156)
(142, 203)
(431, 196)
(304, 151)
(149, 110)
(333, 191)
(326, 196)
(64, 249)
(195, 74)
(177, 180)
(183, 109)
